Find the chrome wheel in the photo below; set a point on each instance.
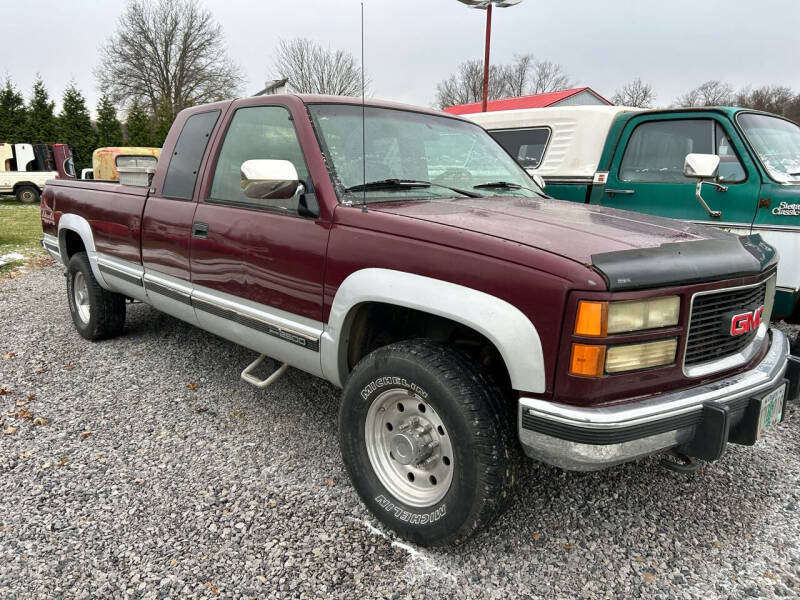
(80, 294)
(409, 448)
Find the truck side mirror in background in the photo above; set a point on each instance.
(703, 167)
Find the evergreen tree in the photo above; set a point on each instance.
(41, 120)
(138, 128)
(164, 119)
(12, 115)
(109, 129)
(75, 127)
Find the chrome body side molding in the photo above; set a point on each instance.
(283, 336)
(122, 276)
(170, 295)
(279, 334)
(50, 243)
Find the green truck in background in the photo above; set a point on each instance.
(635, 159)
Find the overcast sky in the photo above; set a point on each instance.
(413, 44)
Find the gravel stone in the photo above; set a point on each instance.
(148, 469)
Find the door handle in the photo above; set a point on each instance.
(611, 192)
(200, 230)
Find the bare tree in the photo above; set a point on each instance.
(776, 99)
(516, 76)
(523, 76)
(548, 77)
(466, 84)
(635, 93)
(166, 51)
(312, 69)
(710, 93)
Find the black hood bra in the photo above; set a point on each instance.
(685, 262)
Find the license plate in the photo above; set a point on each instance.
(771, 410)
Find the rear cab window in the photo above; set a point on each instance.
(187, 155)
(526, 145)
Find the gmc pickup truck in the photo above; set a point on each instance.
(404, 256)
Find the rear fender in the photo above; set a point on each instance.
(76, 223)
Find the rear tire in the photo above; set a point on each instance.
(428, 442)
(27, 194)
(97, 313)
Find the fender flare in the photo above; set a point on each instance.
(79, 225)
(503, 324)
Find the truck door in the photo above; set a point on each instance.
(258, 267)
(167, 219)
(646, 173)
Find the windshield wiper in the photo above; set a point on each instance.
(399, 184)
(506, 185)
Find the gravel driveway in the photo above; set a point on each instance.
(146, 468)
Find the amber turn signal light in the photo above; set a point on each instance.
(587, 360)
(592, 318)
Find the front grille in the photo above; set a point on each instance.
(709, 338)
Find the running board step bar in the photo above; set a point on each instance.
(248, 376)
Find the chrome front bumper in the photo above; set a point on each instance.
(586, 438)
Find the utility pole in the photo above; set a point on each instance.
(487, 6)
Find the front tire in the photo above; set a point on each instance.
(427, 441)
(27, 194)
(97, 313)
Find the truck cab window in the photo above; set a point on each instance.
(258, 132)
(657, 150)
(187, 155)
(526, 145)
(730, 168)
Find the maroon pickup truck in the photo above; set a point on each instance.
(467, 316)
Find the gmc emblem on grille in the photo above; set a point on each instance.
(745, 322)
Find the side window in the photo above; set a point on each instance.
(527, 146)
(730, 169)
(258, 132)
(657, 150)
(187, 155)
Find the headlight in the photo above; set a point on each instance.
(631, 357)
(598, 319)
(588, 360)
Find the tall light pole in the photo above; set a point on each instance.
(487, 6)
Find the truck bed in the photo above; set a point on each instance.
(112, 211)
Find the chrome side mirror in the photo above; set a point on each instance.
(703, 167)
(538, 180)
(270, 180)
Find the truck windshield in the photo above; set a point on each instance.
(777, 143)
(407, 148)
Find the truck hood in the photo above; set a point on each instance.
(631, 250)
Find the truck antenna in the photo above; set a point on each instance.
(363, 121)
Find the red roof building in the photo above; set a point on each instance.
(574, 97)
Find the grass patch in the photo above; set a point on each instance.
(20, 235)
